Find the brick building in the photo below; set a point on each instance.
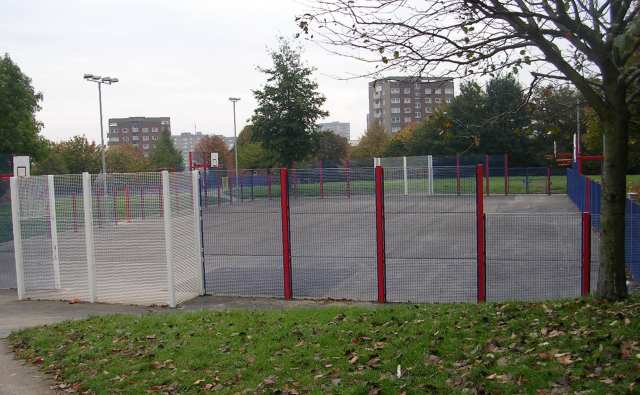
(141, 132)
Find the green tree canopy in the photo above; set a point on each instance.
(164, 154)
(73, 156)
(373, 143)
(331, 147)
(125, 158)
(19, 102)
(288, 107)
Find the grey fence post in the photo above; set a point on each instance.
(166, 207)
(430, 174)
(88, 234)
(198, 230)
(54, 231)
(404, 174)
(17, 236)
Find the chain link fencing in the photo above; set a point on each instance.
(7, 260)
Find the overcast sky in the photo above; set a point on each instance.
(176, 58)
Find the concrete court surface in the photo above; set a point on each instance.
(533, 248)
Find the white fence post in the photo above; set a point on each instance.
(88, 235)
(404, 168)
(196, 217)
(17, 236)
(54, 231)
(430, 174)
(166, 206)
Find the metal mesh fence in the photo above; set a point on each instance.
(7, 263)
(242, 238)
(533, 256)
(430, 231)
(185, 235)
(35, 221)
(103, 238)
(333, 237)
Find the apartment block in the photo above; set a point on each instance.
(340, 128)
(399, 101)
(141, 132)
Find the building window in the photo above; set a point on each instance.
(145, 130)
(407, 120)
(164, 122)
(427, 100)
(395, 100)
(427, 91)
(395, 129)
(113, 124)
(407, 110)
(438, 91)
(395, 91)
(407, 100)
(395, 119)
(114, 130)
(135, 138)
(125, 139)
(448, 100)
(145, 146)
(145, 138)
(438, 100)
(427, 109)
(395, 110)
(154, 138)
(155, 130)
(407, 91)
(135, 130)
(417, 105)
(418, 115)
(124, 130)
(448, 91)
(114, 139)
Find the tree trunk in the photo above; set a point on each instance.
(611, 276)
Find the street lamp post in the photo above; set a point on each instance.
(101, 80)
(235, 137)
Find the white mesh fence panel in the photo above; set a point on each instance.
(129, 239)
(186, 259)
(39, 274)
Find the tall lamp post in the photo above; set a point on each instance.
(101, 80)
(235, 137)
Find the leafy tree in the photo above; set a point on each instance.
(592, 45)
(209, 144)
(402, 143)
(73, 156)
(331, 147)
(125, 158)
(288, 107)
(373, 143)
(254, 156)
(19, 102)
(164, 154)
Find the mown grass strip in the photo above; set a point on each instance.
(564, 346)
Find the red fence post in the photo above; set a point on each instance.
(480, 238)
(587, 194)
(127, 211)
(115, 203)
(486, 174)
(458, 173)
(286, 233)
(506, 174)
(586, 254)
(348, 170)
(321, 179)
(549, 181)
(382, 280)
(142, 201)
(190, 160)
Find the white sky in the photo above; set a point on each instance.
(176, 58)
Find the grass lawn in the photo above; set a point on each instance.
(556, 347)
